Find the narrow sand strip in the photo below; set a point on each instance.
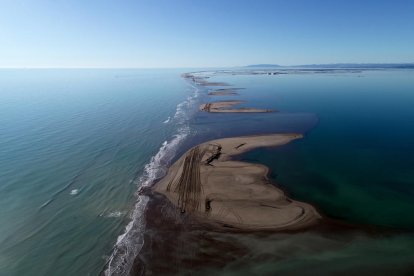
(223, 93)
(221, 107)
(236, 195)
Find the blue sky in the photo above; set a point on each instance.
(196, 33)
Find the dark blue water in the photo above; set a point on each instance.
(354, 164)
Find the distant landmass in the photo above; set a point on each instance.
(265, 65)
(339, 65)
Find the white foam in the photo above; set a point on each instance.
(167, 121)
(183, 110)
(131, 241)
(115, 214)
(74, 192)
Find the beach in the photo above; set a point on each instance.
(233, 195)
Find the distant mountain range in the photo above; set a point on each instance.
(265, 65)
(339, 65)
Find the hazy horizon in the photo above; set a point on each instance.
(220, 67)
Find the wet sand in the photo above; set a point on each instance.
(222, 107)
(214, 189)
(224, 92)
(177, 244)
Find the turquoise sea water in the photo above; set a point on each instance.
(73, 149)
(77, 145)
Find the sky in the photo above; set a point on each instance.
(199, 33)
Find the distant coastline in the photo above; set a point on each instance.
(340, 66)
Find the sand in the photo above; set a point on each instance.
(203, 81)
(224, 92)
(206, 183)
(222, 107)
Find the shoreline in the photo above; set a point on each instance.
(247, 201)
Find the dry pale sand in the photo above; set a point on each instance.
(215, 189)
(222, 107)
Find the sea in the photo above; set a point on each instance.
(79, 147)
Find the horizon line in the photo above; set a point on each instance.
(190, 67)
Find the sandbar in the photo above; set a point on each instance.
(233, 195)
(224, 92)
(203, 82)
(222, 107)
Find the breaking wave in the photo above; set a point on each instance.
(167, 121)
(129, 244)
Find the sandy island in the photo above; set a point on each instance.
(221, 107)
(206, 183)
(224, 92)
